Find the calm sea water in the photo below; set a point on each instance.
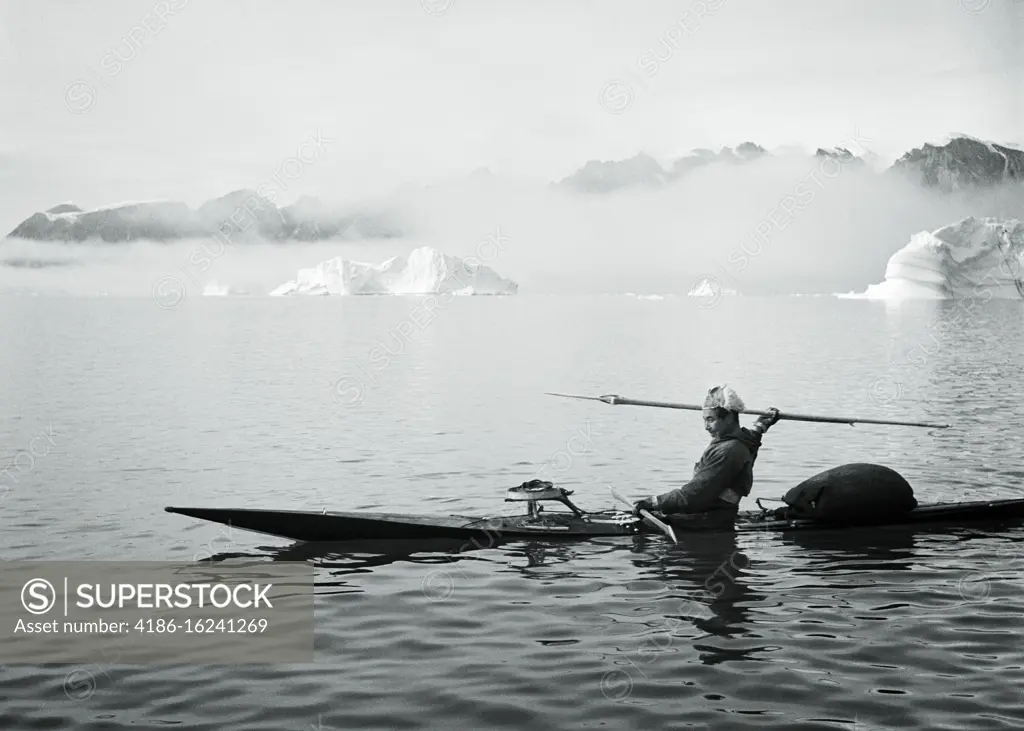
(111, 409)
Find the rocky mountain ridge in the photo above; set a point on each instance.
(242, 216)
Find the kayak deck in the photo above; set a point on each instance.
(336, 527)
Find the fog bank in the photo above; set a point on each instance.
(777, 225)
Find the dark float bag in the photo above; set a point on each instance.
(852, 493)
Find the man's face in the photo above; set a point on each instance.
(716, 425)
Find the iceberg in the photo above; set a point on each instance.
(215, 289)
(422, 271)
(636, 296)
(709, 287)
(971, 257)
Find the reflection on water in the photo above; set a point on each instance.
(866, 549)
(234, 404)
(712, 572)
(824, 628)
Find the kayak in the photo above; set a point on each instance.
(336, 527)
(574, 523)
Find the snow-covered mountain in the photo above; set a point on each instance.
(242, 215)
(980, 258)
(963, 162)
(600, 176)
(155, 220)
(841, 154)
(603, 176)
(746, 152)
(422, 271)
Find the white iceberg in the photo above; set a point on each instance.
(215, 289)
(709, 287)
(634, 295)
(980, 257)
(423, 271)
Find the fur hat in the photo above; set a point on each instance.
(723, 397)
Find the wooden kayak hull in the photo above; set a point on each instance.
(338, 527)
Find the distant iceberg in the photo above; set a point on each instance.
(972, 257)
(709, 287)
(423, 271)
(215, 289)
(634, 295)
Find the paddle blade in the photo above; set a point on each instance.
(648, 518)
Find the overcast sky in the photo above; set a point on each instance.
(412, 91)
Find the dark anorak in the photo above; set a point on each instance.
(727, 463)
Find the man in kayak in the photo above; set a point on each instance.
(724, 474)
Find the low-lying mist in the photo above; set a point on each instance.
(780, 225)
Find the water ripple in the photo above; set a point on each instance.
(233, 406)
